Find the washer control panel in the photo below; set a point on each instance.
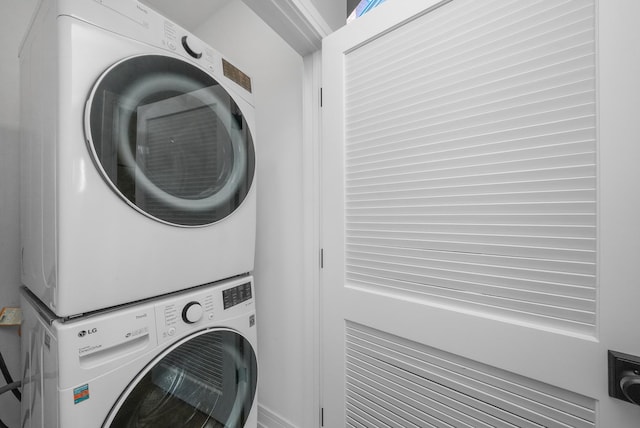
(192, 312)
(201, 307)
(236, 295)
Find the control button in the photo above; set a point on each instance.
(211, 316)
(172, 46)
(171, 331)
(192, 46)
(192, 312)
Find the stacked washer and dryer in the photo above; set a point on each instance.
(138, 208)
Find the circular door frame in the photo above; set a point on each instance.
(122, 398)
(223, 195)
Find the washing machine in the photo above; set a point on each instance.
(137, 157)
(185, 360)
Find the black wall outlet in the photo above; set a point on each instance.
(624, 377)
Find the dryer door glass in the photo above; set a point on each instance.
(206, 380)
(170, 140)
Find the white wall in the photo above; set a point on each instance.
(14, 18)
(334, 12)
(277, 72)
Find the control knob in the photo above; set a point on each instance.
(192, 312)
(192, 46)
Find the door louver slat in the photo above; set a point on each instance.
(470, 161)
(393, 379)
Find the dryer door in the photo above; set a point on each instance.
(169, 140)
(205, 380)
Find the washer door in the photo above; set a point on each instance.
(170, 140)
(206, 380)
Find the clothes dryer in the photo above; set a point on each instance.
(138, 158)
(185, 360)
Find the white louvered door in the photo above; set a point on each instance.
(481, 213)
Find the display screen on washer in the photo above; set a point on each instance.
(236, 295)
(170, 140)
(207, 380)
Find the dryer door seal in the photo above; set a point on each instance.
(170, 140)
(206, 380)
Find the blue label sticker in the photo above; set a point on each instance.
(80, 394)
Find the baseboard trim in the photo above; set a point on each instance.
(269, 419)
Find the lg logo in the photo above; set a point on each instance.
(83, 333)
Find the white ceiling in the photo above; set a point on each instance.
(188, 13)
